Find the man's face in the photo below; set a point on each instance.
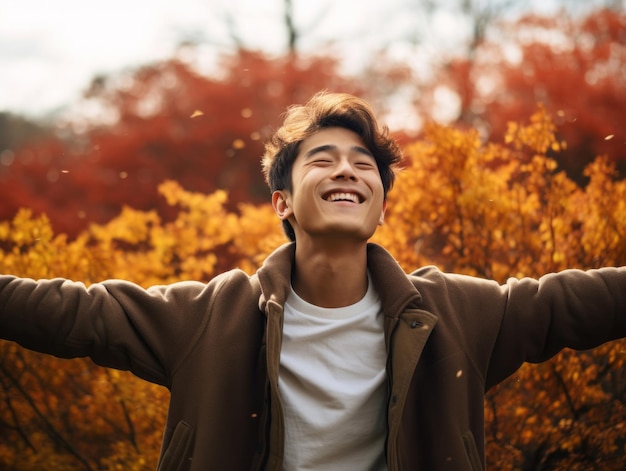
(336, 188)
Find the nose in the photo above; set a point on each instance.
(344, 171)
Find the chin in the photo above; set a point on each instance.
(357, 231)
(358, 234)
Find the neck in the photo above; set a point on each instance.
(330, 275)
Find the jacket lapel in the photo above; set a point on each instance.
(407, 328)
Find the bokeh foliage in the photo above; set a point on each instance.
(489, 209)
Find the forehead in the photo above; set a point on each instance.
(333, 136)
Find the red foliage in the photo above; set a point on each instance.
(174, 123)
(576, 68)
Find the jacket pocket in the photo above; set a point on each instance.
(175, 455)
(472, 451)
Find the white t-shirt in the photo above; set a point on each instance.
(333, 385)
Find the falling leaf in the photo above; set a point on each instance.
(239, 144)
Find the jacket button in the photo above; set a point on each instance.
(415, 324)
(394, 399)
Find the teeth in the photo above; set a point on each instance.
(343, 197)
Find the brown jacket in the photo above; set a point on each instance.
(216, 346)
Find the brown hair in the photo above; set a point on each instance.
(325, 110)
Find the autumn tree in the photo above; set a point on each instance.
(572, 65)
(166, 121)
(483, 208)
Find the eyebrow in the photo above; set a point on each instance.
(332, 147)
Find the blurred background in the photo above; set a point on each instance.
(100, 102)
(137, 126)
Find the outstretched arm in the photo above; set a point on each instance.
(116, 323)
(571, 309)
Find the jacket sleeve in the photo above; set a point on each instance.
(116, 323)
(575, 309)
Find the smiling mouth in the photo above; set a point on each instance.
(343, 196)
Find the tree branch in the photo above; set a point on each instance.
(49, 428)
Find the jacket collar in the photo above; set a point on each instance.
(392, 284)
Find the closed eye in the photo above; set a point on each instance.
(322, 162)
(364, 164)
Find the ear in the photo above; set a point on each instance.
(281, 202)
(381, 219)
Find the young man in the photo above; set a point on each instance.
(330, 356)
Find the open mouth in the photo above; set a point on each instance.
(343, 196)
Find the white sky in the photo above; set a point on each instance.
(51, 49)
